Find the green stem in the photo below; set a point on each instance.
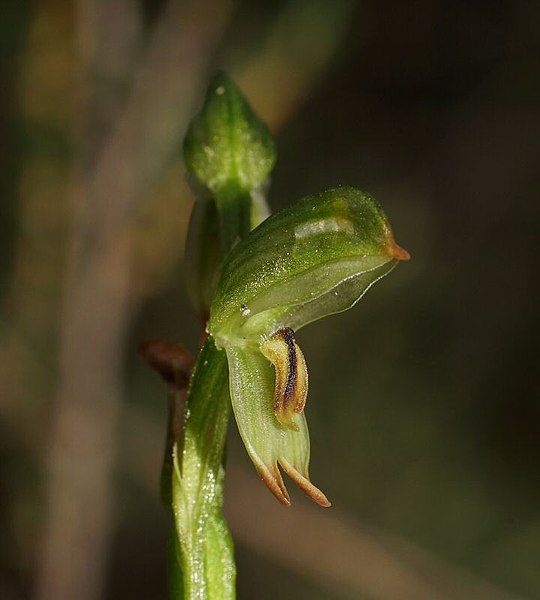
(229, 155)
(203, 551)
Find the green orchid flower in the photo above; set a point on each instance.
(254, 281)
(316, 258)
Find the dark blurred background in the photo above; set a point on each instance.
(423, 403)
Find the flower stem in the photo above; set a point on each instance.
(203, 550)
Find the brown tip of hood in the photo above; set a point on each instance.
(398, 252)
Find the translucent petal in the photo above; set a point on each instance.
(268, 443)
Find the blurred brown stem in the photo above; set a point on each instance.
(96, 296)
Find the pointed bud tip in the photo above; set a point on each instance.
(221, 82)
(226, 143)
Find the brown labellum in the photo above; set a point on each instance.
(291, 376)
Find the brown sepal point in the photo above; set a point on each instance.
(172, 361)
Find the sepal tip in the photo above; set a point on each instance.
(310, 490)
(274, 482)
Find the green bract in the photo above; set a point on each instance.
(313, 259)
